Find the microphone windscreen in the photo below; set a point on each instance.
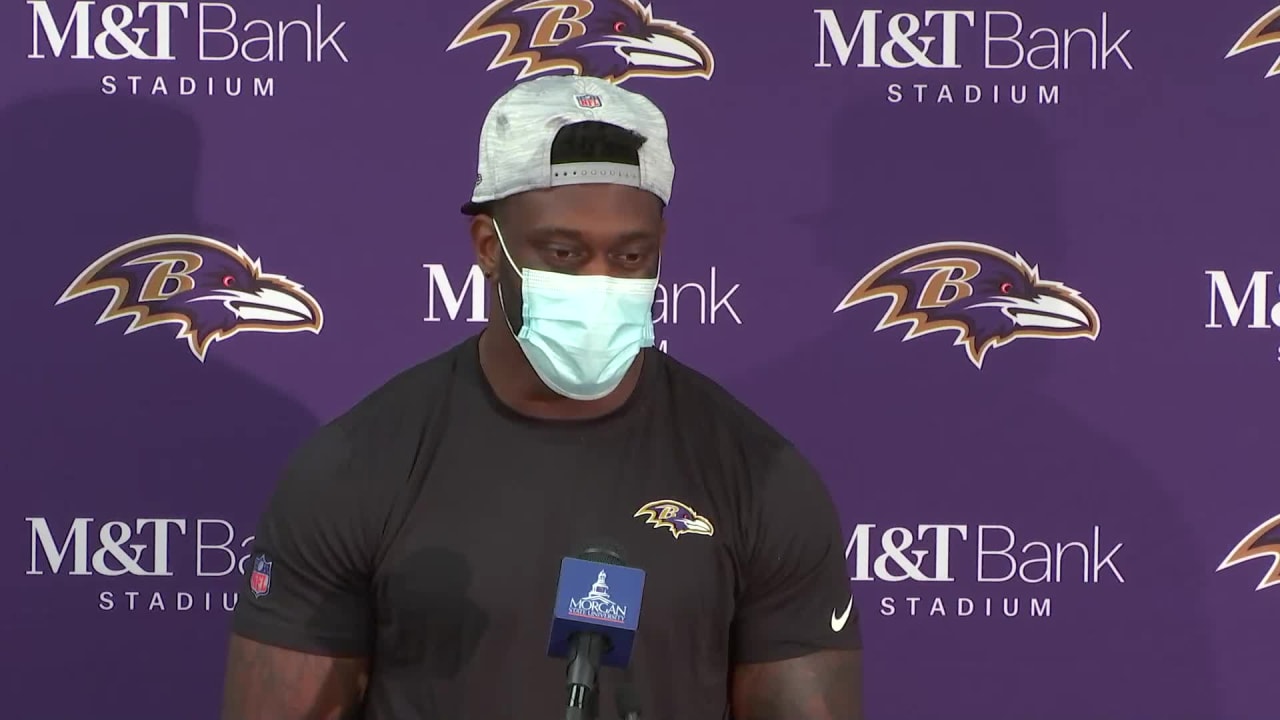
(602, 550)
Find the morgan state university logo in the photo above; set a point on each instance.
(209, 289)
(986, 296)
(1265, 31)
(1264, 543)
(676, 517)
(609, 39)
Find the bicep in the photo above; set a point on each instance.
(302, 625)
(825, 685)
(264, 682)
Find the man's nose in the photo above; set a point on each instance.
(597, 265)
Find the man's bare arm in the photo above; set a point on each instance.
(826, 685)
(264, 682)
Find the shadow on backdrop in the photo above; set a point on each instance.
(429, 628)
(113, 427)
(910, 433)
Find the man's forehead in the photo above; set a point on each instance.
(612, 235)
(587, 211)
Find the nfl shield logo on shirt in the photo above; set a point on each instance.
(260, 578)
(590, 102)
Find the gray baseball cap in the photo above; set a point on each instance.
(515, 141)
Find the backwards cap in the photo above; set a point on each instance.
(515, 141)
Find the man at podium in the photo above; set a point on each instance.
(417, 548)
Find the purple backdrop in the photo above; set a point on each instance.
(1046, 498)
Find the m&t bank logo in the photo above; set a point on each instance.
(1252, 303)
(944, 570)
(950, 40)
(707, 300)
(151, 565)
(149, 33)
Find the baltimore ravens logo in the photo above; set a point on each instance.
(1265, 31)
(676, 517)
(210, 290)
(986, 296)
(1263, 542)
(609, 39)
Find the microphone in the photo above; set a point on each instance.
(628, 702)
(596, 614)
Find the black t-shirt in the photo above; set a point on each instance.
(424, 528)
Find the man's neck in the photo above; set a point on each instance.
(517, 386)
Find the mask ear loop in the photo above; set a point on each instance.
(503, 244)
(502, 301)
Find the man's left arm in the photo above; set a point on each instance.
(797, 648)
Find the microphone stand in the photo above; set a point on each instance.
(580, 678)
(589, 710)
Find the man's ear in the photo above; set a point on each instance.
(485, 241)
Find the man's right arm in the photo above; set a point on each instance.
(303, 629)
(264, 682)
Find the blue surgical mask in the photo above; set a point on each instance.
(581, 332)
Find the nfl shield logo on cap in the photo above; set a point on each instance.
(260, 578)
(590, 102)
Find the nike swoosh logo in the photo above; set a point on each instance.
(838, 621)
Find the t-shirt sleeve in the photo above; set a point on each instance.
(307, 577)
(795, 596)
